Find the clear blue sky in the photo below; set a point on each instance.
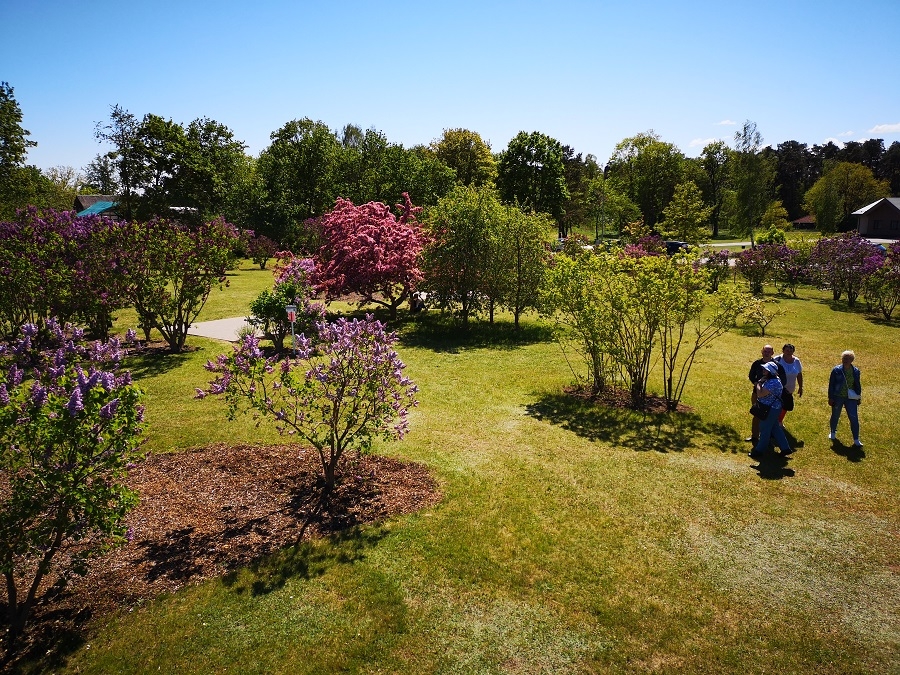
(587, 73)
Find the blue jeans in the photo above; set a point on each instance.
(852, 406)
(770, 427)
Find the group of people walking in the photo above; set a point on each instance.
(777, 379)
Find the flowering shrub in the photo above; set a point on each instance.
(292, 287)
(69, 429)
(717, 267)
(369, 251)
(175, 268)
(757, 264)
(843, 263)
(55, 264)
(881, 289)
(340, 394)
(259, 249)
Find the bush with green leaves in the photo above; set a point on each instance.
(617, 310)
(70, 426)
(174, 269)
(268, 311)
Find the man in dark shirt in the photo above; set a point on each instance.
(756, 370)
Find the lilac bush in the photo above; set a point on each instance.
(175, 268)
(756, 265)
(716, 265)
(260, 248)
(881, 289)
(340, 394)
(55, 264)
(843, 263)
(69, 431)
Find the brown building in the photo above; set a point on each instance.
(879, 220)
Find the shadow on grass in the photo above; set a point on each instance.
(440, 333)
(773, 466)
(155, 362)
(851, 453)
(305, 560)
(641, 431)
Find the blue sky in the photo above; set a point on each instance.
(587, 73)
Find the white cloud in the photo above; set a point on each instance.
(846, 133)
(885, 129)
(701, 142)
(726, 123)
(836, 141)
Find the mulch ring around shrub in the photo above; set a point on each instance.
(613, 397)
(207, 511)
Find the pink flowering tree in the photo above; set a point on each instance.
(69, 430)
(340, 394)
(369, 251)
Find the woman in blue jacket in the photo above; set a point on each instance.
(768, 392)
(845, 391)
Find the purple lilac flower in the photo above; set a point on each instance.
(75, 404)
(107, 411)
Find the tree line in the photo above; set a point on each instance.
(154, 164)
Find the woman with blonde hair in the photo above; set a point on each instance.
(845, 391)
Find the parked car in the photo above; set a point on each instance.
(673, 247)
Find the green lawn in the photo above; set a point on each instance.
(570, 539)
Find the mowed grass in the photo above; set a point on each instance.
(570, 538)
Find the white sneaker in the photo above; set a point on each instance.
(857, 443)
(832, 436)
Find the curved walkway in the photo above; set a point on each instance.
(221, 329)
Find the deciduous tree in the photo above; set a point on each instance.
(843, 189)
(468, 155)
(646, 169)
(368, 250)
(531, 174)
(686, 217)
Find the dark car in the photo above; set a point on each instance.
(673, 247)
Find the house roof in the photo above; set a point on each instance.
(893, 201)
(95, 208)
(805, 220)
(83, 202)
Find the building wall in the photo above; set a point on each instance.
(881, 222)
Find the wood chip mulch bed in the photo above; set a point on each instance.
(612, 397)
(208, 511)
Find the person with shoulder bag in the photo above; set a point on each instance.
(756, 371)
(767, 409)
(793, 382)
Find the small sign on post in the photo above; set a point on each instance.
(292, 317)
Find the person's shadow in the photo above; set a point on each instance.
(852, 453)
(772, 465)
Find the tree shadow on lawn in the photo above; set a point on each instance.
(641, 431)
(153, 360)
(441, 333)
